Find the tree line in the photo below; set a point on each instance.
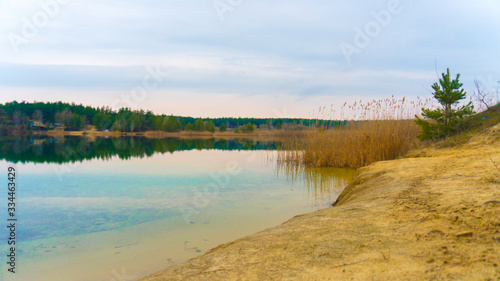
(75, 117)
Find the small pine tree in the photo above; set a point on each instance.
(278, 125)
(210, 126)
(189, 127)
(249, 127)
(445, 121)
(222, 127)
(199, 125)
(170, 124)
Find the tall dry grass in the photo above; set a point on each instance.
(377, 130)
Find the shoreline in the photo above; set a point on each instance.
(432, 215)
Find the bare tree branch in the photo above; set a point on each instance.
(482, 96)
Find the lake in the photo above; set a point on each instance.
(120, 209)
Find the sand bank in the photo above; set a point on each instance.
(433, 215)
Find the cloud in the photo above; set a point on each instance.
(262, 48)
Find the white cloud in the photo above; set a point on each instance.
(263, 49)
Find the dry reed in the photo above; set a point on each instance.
(378, 130)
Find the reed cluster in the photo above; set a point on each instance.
(376, 131)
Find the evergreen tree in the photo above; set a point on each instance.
(120, 124)
(189, 127)
(37, 116)
(171, 124)
(447, 120)
(157, 122)
(210, 126)
(101, 121)
(249, 127)
(182, 123)
(134, 122)
(149, 119)
(222, 127)
(199, 125)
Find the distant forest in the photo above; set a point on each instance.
(73, 117)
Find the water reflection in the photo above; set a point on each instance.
(76, 149)
(326, 183)
(323, 184)
(130, 213)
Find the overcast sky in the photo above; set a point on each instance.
(239, 57)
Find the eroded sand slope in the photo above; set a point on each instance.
(434, 215)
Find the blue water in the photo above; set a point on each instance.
(88, 220)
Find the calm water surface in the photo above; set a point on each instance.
(119, 209)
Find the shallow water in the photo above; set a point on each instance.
(122, 217)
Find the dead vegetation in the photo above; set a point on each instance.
(379, 130)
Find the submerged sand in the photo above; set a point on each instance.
(434, 215)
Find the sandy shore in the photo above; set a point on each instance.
(434, 215)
